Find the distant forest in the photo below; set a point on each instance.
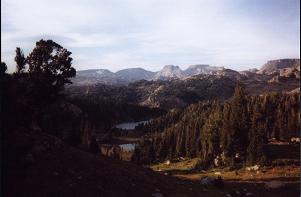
(209, 130)
(105, 112)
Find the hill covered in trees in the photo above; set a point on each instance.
(238, 127)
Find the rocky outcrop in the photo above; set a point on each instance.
(226, 73)
(274, 66)
(169, 72)
(200, 69)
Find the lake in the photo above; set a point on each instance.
(128, 147)
(129, 125)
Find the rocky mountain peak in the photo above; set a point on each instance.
(169, 71)
(273, 66)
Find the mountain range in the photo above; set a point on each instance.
(126, 76)
(169, 72)
(172, 87)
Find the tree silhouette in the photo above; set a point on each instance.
(3, 69)
(20, 60)
(53, 61)
(49, 68)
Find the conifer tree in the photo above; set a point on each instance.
(239, 128)
(20, 60)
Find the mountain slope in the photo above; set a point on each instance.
(104, 76)
(38, 165)
(174, 87)
(95, 76)
(134, 74)
(273, 66)
(200, 69)
(169, 72)
(164, 94)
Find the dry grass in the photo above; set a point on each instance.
(184, 170)
(284, 173)
(285, 180)
(185, 165)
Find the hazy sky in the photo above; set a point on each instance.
(117, 34)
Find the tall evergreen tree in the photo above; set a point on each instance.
(238, 128)
(257, 135)
(20, 60)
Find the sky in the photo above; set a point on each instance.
(118, 34)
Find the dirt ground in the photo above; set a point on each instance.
(266, 187)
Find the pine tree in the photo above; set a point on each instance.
(239, 128)
(256, 135)
(20, 60)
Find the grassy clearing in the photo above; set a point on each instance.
(267, 182)
(185, 169)
(186, 165)
(288, 173)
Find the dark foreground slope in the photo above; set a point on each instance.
(37, 164)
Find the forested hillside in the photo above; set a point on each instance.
(104, 112)
(239, 126)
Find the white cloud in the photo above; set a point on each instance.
(131, 33)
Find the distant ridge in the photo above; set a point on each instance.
(275, 65)
(168, 72)
(129, 75)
